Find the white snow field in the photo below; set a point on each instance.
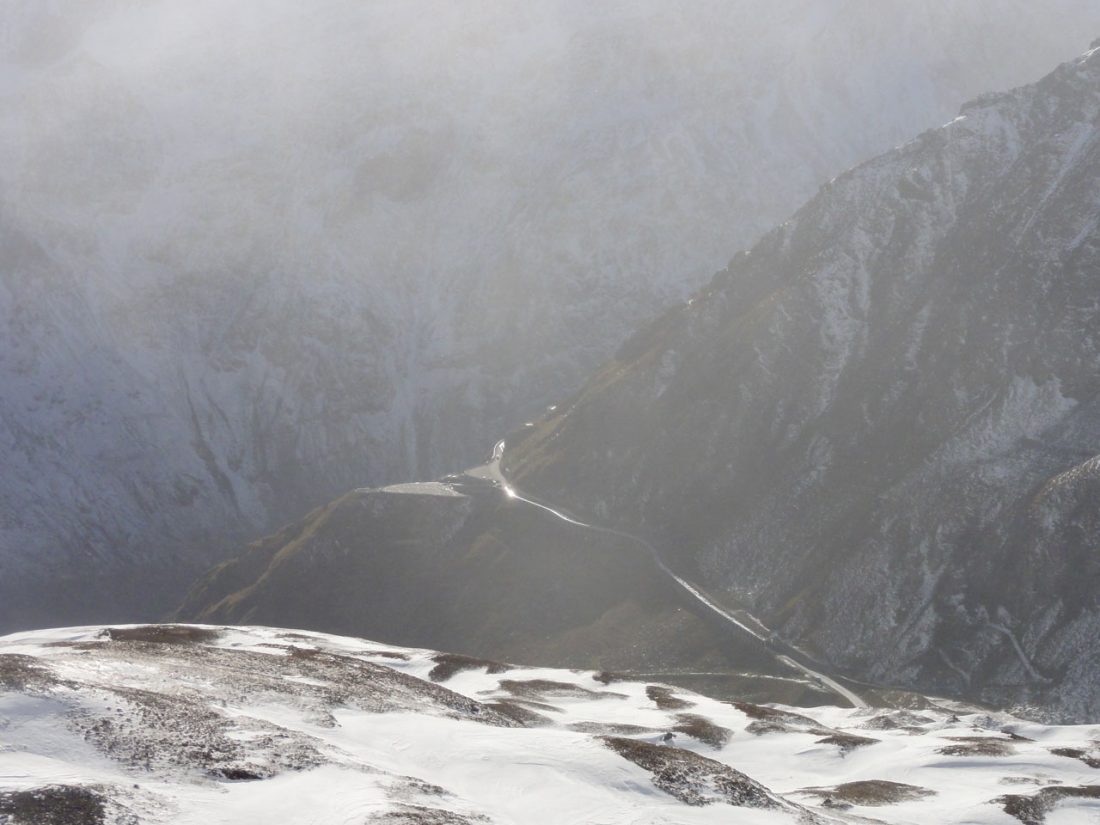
(199, 724)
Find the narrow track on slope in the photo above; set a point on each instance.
(743, 621)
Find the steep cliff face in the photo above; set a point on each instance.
(879, 426)
(256, 255)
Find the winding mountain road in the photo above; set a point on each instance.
(744, 622)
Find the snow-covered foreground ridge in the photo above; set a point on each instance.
(200, 724)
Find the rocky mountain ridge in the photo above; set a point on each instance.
(879, 426)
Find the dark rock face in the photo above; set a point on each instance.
(691, 778)
(870, 792)
(880, 426)
(54, 805)
(1033, 809)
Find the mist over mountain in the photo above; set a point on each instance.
(698, 403)
(879, 426)
(875, 430)
(257, 254)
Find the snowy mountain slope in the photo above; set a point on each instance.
(145, 724)
(878, 427)
(254, 255)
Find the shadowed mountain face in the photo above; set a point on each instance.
(253, 254)
(878, 428)
(463, 565)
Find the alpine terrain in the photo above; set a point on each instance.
(198, 724)
(256, 254)
(869, 446)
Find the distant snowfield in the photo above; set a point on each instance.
(190, 724)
